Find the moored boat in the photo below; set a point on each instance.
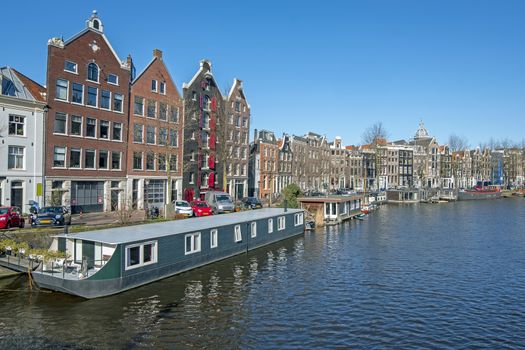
(110, 261)
(483, 190)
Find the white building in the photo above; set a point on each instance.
(22, 104)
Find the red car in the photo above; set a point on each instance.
(10, 217)
(200, 208)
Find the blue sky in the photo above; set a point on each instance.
(332, 67)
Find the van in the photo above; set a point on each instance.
(220, 202)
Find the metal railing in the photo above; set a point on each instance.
(82, 270)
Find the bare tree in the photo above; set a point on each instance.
(374, 133)
(457, 143)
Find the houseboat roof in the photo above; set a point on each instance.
(128, 234)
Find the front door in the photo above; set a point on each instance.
(17, 194)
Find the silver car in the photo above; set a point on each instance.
(183, 207)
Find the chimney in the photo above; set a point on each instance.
(129, 61)
(157, 53)
(255, 135)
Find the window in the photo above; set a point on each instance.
(138, 133)
(163, 136)
(237, 106)
(60, 123)
(113, 79)
(139, 105)
(163, 88)
(61, 89)
(270, 225)
(117, 131)
(76, 125)
(137, 160)
(103, 160)
(74, 158)
(16, 125)
(281, 223)
(92, 72)
(117, 102)
(152, 109)
(105, 99)
(163, 111)
(192, 243)
(78, 93)
(298, 219)
(150, 161)
(174, 140)
(192, 177)
(59, 157)
(214, 238)
(194, 96)
(237, 232)
(91, 127)
(254, 229)
(92, 96)
(15, 157)
(150, 135)
(174, 116)
(162, 162)
(142, 254)
(115, 160)
(173, 162)
(89, 160)
(70, 67)
(104, 129)
(244, 122)
(154, 85)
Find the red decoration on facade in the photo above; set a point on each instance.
(213, 104)
(211, 162)
(212, 140)
(211, 180)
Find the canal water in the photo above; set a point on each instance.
(428, 276)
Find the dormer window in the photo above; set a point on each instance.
(92, 72)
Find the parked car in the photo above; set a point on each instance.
(201, 208)
(11, 217)
(52, 216)
(183, 207)
(220, 202)
(251, 203)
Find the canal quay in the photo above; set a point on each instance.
(408, 277)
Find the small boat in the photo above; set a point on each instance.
(365, 209)
(361, 216)
(309, 225)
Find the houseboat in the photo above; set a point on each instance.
(483, 190)
(332, 209)
(111, 261)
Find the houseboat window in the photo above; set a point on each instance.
(238, 235)
(254, 229)
(281, 223)
(134, 256)
(78, 250)
(193, 243)
(214, 238)
(138, 255)
(298, 219)
(270, 225)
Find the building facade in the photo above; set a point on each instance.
(87, 121)
(154, 164)
(22, 108)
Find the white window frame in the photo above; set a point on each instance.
(214, 238)
(156, 85)
(298, 219)
(253, 227)
(81, 103)
(281, 223)
(195, 245)
(67, 90)
(16, 156)
(98, 73)
(116, 76)
(237, 233)
(154, 257)
(21, 121)
(270, 225)
(121, 110)
(71, 71)
(110, 100)
(161, 85)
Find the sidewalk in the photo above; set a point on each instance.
(106, 218)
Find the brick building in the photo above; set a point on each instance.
(204, 126)
(154, 161)
(237, 141)
(87, 122)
